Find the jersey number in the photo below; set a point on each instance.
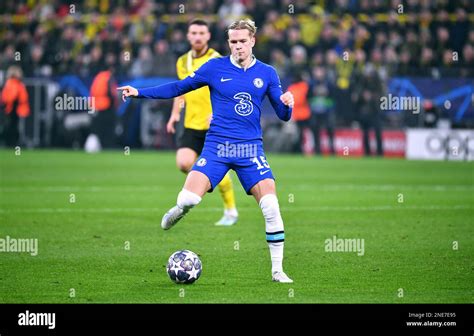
(262, 163)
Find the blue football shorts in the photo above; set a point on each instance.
(248, 160)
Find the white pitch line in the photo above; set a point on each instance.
(247, 209)
(310, 186)
(383, 187)
(380, 208)
(92, 189)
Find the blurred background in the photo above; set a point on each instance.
(370, 77)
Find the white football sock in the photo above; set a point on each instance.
(276, 253)
(187, 199)
(274, 230)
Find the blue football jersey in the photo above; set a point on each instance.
(237, 96)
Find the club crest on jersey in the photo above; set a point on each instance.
(258, 82)
(201, 162)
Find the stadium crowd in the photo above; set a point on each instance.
(144, 38)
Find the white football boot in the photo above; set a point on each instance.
(172, 217)
(281, 277)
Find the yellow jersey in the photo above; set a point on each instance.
(198, 102)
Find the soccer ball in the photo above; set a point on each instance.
(184, 267)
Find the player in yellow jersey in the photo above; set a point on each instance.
(198, 113)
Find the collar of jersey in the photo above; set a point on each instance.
(254, 60)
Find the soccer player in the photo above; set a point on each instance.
(198, 114)
(238, 84)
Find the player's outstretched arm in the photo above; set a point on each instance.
(196, 80)
(165, 91)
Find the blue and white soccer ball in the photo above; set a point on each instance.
(184, 267)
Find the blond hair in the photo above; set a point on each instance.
(243, 24)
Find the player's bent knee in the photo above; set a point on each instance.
(264, 187)
(185, 158)
(187, 199)
(185, 165)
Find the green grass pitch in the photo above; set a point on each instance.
(97, 221)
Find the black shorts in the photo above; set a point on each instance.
(193, 139)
